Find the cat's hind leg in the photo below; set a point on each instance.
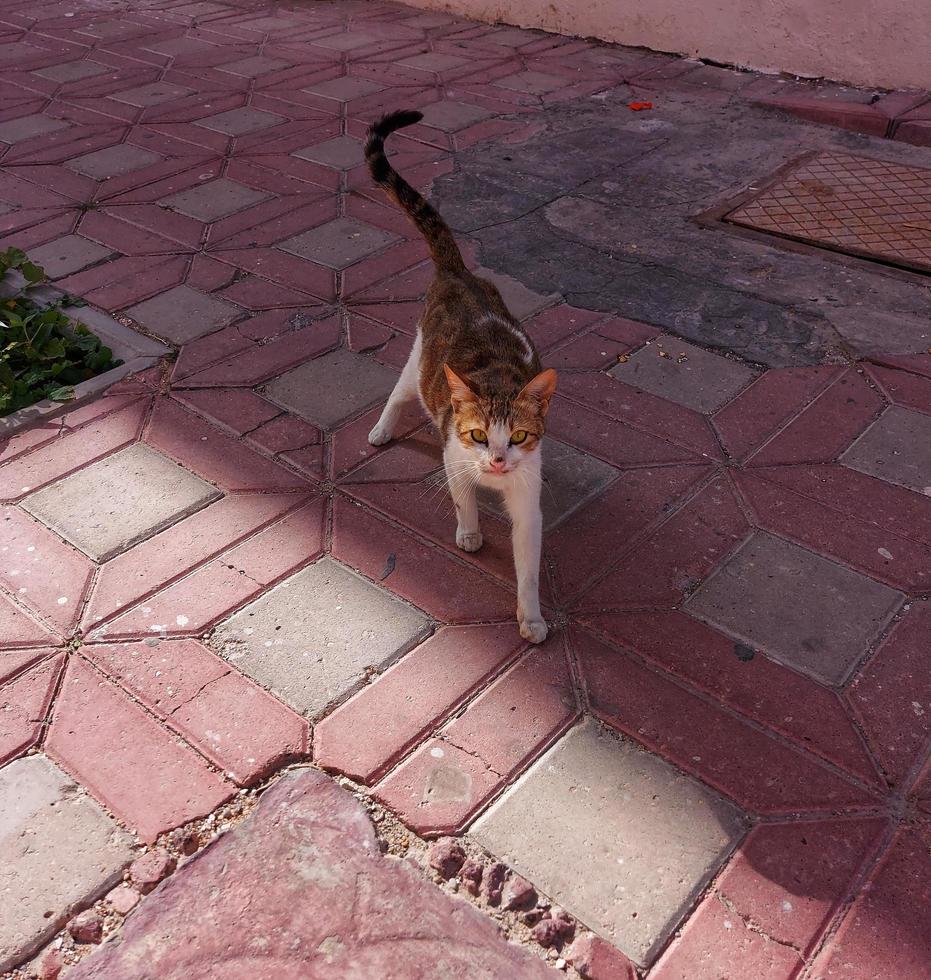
(404, 391)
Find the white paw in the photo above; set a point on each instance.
(380, 435)
(470, 541)
(532, 629)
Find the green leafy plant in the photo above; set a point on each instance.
(43, 354)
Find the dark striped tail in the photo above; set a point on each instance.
(434, 229)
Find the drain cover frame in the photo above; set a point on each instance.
(722, 215)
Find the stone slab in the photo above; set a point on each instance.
(58, 851)
(797, 607)
(67, 254)
(28, 127)
(614, 834)
(214, 200)
(182, 314)
(113, 504)
(684, 373)
(329, 389)
(895, 448)
(311, 639)
(344, 89)
(306, 893)
(341, 152)
(338, 243)
(113, 161)
(238, 122)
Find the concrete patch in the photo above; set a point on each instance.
(896, 448)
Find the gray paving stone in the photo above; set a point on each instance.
(311, 638)
(532, 82)
(796, 607)
(154, 93)
(521, 301)
(329, 389)
(433, 61)
(689, 375)
(345, 42)
(614, 834)
(182, 46)
(338, 243)
(113, 161)
(27, 127)
(214, 199)
(451, 116)
(570, 477)
(182, 313)
(341, 152)
(58, 851)
(72, 71)
(68, 254)
(238, 122)
(345, 89)
(895, 448)
(255, 66)
(113, 504)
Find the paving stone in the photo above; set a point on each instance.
(181, 314)
(111, 505)
(594, 802)
(341, 152)
(686, 374)
(345, 89)
(253, 67)
(183, 46)
(532, 82)
(313, 892)
(311, 638)
(25, 705)
(214, 200)
(72, 71)
(801, 609)
(521, 301)
(113, 161)
(895, 448)
(28, 127)
(570, 478)
(433, 61)
(345, 42)
(338, 243)
(68, 254)
(58, 851)
(238, 122)
(329, 389)
(155, 93)
(450, 116)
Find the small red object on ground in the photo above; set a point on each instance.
(639, 106)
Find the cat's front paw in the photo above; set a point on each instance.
(469, 541)
(380, 435)
(532, 629)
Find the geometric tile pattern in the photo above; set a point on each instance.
(875, 208)
(109, 663)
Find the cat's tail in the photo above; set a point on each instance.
(443, 246)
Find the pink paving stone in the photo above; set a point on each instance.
(768, 404)
(141, 570)
(235, 409)
(350, 445)
(149, 869)
(72, 451)
(682, 552)
(366, 543)
(285, 433)
(885, 934)
(22, 442)
(915, 363)
(126, 759)
(760, 772)
(827, 426)
(44, 573)
(13, 662)
(732, 673)
(917, 131)
(902, 388)
(24, 705)
(892, 693)
(717, 943)
(306, 824)
(212, 454)
(789, 879)
(590, 351)
(19, 629)
(596, 959)
(833, 112)
(367, 734)
(123, 899)
(236, 724)
(888, 557)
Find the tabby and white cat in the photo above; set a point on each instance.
(480, 378)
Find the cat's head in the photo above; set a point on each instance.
(501, 430)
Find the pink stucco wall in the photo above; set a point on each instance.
(884, 43)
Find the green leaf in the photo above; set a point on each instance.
(32, 272)
(61, 394)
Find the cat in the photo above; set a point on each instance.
(480, 378)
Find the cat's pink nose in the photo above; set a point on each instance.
(497, 464)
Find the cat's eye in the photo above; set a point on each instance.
(479, 435)
(518, 437)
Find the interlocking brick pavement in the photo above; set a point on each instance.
(737, 561)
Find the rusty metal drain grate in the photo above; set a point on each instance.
(875, 209)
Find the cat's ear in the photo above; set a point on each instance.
(540, 389)
(459, 389)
